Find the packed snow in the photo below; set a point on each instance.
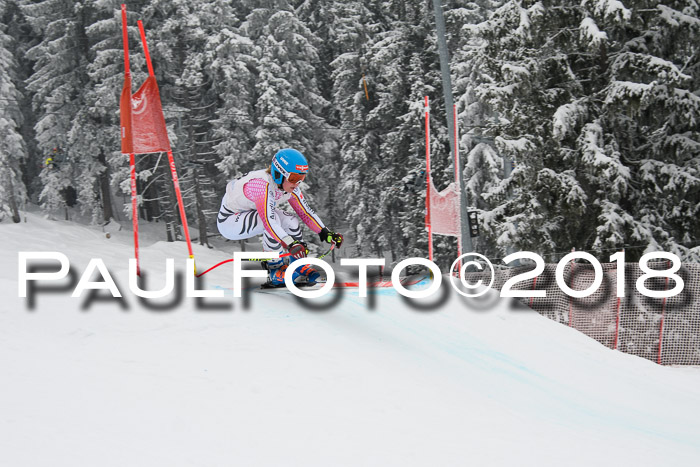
(275, 380)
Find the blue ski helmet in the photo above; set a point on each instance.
(288, 161)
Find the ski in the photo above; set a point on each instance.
(381, 284)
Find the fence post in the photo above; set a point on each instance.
(661, 325)
(617, 325)
(571, 299)
(534, 284)
(619, 303)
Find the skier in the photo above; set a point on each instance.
(250, 208)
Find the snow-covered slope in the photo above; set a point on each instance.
(373, 381)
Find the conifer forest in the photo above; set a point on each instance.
(579, 121)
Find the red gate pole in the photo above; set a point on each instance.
(428, 183)
(145, 48)
(134, 210)
(534, 285)
(126, 134)
(178, 193)
(457, 175)
(171, 160)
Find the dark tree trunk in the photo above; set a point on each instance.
(13, 203)
(107, 211)
(201, 218)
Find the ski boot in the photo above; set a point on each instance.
(303, 276)
(306, 275)
(275, 269)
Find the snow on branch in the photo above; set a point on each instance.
(566, 118)
(589, 31)
(624, 90)
(604, 158)
(675, 177)
(610, 9)
(526, 15)
(663, 70)
(514, 146)
(677, 18)
(612, 221)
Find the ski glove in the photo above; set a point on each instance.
(298, 250)
(331, 237)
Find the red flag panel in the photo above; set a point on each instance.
(444, 210)
(148, 124)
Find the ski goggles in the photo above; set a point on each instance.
(295, 178)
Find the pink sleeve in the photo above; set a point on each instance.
(304, 212)
(258, 191)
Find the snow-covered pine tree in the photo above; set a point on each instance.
(12, 147)
(410, 73)
(22, 39)
(358, 150)
(637, 139)
(513, 74)
(57, 84)
(200, 179)
(288, 104)
(232, 66)
(166, 25)
(321, 17)
(641, 141)
(594, 104)
(483, 170)
(183, 33)
(94, 137)
(383, 162)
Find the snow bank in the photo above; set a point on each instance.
(277, 381)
